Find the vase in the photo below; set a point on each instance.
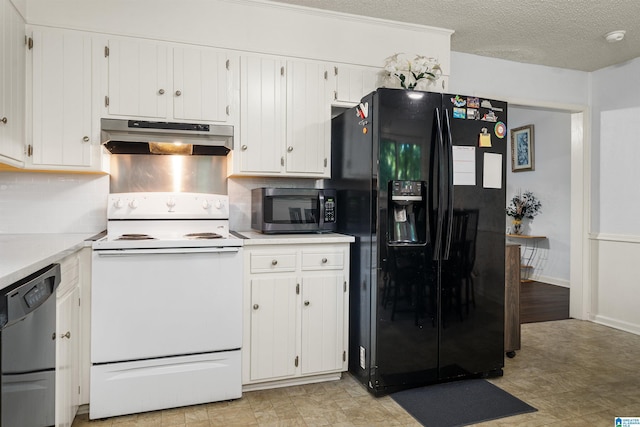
(517, 226)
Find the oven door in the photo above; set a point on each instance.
(149, 303)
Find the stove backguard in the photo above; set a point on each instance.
(153, 173)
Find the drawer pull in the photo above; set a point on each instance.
(324, 260)
(67, 335)
(256, 306)
(274, 262)
(306, 303)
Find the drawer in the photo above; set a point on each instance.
(273, 263)
(322, 260)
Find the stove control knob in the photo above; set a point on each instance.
(206, 204)
(118, 204)
(171, 202)
(219, 204)
(133, 204)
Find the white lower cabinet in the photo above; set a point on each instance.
(296, 313)
(68, 341)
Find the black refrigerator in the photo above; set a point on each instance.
(421, 185)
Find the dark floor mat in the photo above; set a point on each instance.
(459, 403)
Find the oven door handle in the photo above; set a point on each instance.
(158, 251)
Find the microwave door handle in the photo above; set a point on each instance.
(321, 209)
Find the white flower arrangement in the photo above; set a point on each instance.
(417, 73)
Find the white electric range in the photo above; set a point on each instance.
(166, 323)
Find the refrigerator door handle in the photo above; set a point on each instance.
(448, 157)
(439, 187)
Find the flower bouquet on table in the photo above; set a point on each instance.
(523, 205)
(417, 73)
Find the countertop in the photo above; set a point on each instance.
(255, 238)
(23, 254)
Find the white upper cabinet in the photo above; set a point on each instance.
(262, 118)
(138, 78)
(12, 84)
(284, 117)
(62, 135)
(201, 84)
(154, 80)
(308, 143)
(352, 82)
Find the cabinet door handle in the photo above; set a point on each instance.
(67, 335)
(178, 93)
(85, 139)
(4, 120)
(274, 262)
(290, 148)
(161, 91)
(244, 148)
(324, 260)
(306, 303)
(256, 306)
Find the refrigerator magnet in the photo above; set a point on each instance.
(458, 101)
(484, 139)
(473, 114)
(473, 102)
(490, 116)
(500, 130)
(487, 104)
(459, 113)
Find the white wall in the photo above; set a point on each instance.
(550, 182)
(517, 83)
(52, 203)
(615, 241)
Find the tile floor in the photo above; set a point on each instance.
(575, 373)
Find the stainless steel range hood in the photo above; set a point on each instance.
(143, 137)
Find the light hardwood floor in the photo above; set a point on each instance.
(575, 373)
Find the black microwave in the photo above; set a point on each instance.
(293, 210)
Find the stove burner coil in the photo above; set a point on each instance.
(135, 237)
(202, 236)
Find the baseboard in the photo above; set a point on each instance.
(334, 376)
(617, 324)
(553, 281)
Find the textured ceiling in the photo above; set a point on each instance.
(557, 33)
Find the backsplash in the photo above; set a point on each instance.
(52, 202)
(77, 203)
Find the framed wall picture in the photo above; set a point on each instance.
(522, 149)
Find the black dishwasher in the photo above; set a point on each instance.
(28, 350)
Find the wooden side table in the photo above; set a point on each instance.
(512, 299)
(528, 253)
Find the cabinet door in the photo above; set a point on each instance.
(308, 119)
(61, 122)
(200, 85)
(352, 83)
(138, 79)
(273, 327)
(262, 115)
(12, 83)
(67, 357)
(322, 323)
